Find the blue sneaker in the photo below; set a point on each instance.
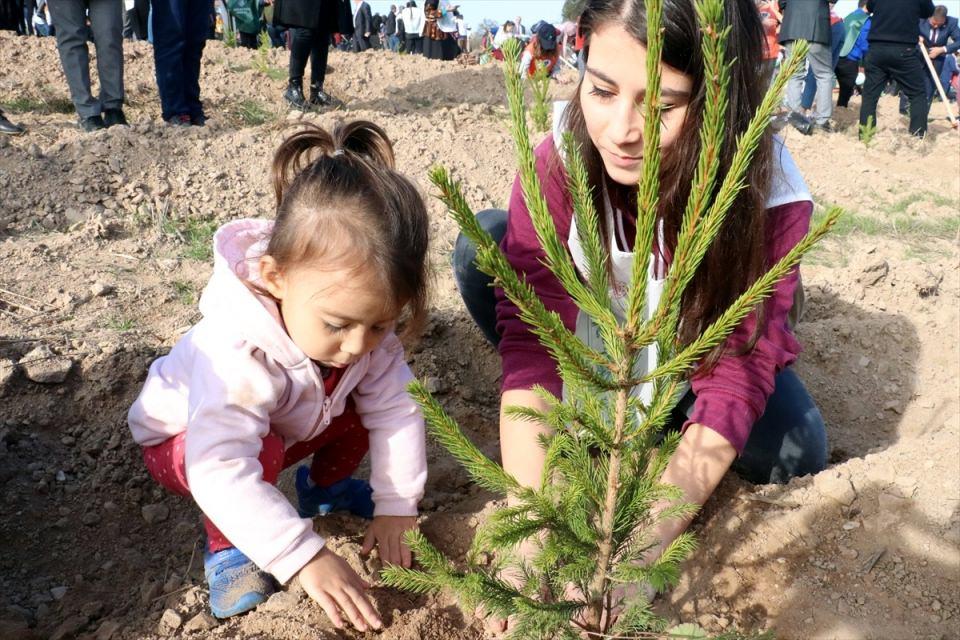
(350, 494)
(236, 584)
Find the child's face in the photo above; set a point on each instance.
(334, 316)
(611, 96)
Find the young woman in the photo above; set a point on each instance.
(746, 408)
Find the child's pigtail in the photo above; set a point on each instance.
(366, 139)
(295, 154)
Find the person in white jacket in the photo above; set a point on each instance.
(296, 355)
(413, 24)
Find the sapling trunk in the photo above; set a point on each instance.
(593, 517)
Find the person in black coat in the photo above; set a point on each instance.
(810, 20)
(894, 55)
(311, 23)
(390, 29)
(362, 25)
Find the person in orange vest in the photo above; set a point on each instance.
(541, 51)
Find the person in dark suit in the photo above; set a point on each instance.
(894, 55)
(362, 25)
(106, 26)
(940, 34)
(311, 22)
(810, 20)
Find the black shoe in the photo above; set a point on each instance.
(112, 117)
(294, 94)
(800, 123)
(8, 128)
(92, 123)
(198, 120)
(825, 127)
(182, 120)
(320, 98)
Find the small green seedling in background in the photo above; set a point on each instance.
(541, 107)
(868, 131)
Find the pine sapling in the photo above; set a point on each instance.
(541, 106)
(591, 520)
(262, 61)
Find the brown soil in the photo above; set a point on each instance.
(103, 242)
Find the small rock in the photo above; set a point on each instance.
(435, 385)
(889, 503)
(836, 486)
(44, 366)
(7, 369)
(874, 273)
(92, 609)
(61, 476)
(850, 525)
(58, 592)
(280, 601)
(90, 518)
(936, 605)
(149, 590)
(100, 289)
(106, 630)
(168, 264)
(170, 621)
(864, 362)
(34, 151)
(154, 513)
(203, 621)
(69, 627)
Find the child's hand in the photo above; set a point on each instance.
(337, 588)
(386, 532)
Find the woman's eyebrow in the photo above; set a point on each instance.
(665, 92)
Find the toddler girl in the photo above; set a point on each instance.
(296, 356)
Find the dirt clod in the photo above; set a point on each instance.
(42, 365)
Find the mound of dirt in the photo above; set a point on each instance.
(104, 242)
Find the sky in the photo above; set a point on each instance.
(533, 10)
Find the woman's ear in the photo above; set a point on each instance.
(272, 277)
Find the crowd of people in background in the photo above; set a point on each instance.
(886, 39)
(895, 33)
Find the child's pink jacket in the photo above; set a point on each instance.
(236, 376)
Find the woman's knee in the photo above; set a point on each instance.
(494, 222)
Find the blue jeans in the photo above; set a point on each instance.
(179, 29)
(788, 440)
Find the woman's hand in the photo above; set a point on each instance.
(386, 533)
(337, 588)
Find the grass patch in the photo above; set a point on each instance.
(276, 74)
(121, 324)
(38, 104)
(198, 236)
(897, 224)
(194, 234)
(185, 292)
(252, 113)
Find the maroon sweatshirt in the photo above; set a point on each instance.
(731, 397)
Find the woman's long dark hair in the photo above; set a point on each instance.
(737, 257)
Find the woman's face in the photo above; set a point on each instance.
(611, 97)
